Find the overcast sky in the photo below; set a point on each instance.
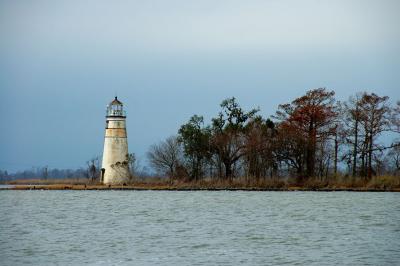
(61, 62)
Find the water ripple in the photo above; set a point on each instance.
(198, 228)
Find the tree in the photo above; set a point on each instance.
(165, 157)
(196, 145)
(289, 147)
(228, 134)
(132, 164)
(375, 118)
(258, 147)
(310, 117)
(395, 120)
(93, 169)
(350, 115)
(45, 172)
(394, 159)
(3, 175)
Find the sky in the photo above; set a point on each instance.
(62, 62)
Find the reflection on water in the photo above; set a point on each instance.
(199, 228)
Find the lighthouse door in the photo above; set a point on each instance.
(102, 175)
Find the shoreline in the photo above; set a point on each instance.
(190, 188)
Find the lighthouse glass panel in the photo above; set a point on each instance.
(115, 110)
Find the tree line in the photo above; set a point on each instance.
(89, 173)
(45, 173)
(314, 136)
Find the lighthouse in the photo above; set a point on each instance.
(115, 166)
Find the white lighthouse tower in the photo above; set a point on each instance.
(115, 167)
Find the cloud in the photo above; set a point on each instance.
(200, 26)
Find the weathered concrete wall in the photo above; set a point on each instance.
(115, 152)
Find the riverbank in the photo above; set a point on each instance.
(382, 183)
(189, 188)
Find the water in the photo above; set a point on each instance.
(6, 186)
(199, 228)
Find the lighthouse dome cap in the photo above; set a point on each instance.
(115, 101)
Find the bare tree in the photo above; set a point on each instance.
(395, 119)
(45, 172)
(350, 115)
(132, 164)
(375, 118)
(394, 159)
(93, 169)
(165, 157)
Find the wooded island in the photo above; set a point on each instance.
(313, 141)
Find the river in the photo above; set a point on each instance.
(199, 228)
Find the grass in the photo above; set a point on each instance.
(69, 181)
(384, 182)
(380, 183)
